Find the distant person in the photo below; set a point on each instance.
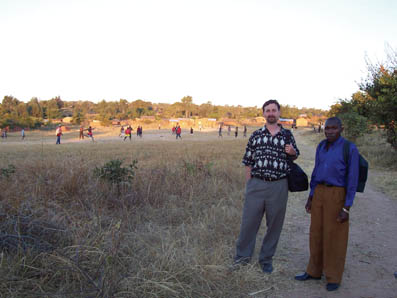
(128, 132)
(23, 134)
(89, 133)
(236, 132)
(332, 190)
(4, 133)
(81, 134)
(159, 126)
(266, 187)
(58, 133)
(121, 135)
(191, 130)
(140, 131)
(173, 130)
(220, 132)
(245, 131)
(178, 132)
(229, 129)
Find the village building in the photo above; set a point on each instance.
(301, 122)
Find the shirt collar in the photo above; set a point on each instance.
(265, 130)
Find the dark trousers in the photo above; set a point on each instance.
(58, 140)
(262, 197)
(328, 238)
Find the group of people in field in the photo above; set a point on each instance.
(127, 132)
(177, 130)
(4, 133)
(229, 130)
(124, 132)
(89, 133)
(268, 159)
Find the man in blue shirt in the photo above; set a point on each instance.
(332, 189)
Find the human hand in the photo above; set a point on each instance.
(289, 149)
(308, 205)
(342, 217)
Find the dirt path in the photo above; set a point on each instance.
(372, 251)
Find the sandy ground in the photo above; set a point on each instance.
(106, 135)
(371, 257)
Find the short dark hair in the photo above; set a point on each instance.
(270, 101)
(335, 120)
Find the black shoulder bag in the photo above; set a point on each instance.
(297, 178)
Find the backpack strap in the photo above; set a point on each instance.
(346, 151)
(288, 135)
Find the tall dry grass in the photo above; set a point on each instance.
(65, 233)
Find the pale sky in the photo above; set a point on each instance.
(235, 52)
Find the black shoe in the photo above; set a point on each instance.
(332, 286)
(306, 276)
(242, 261)
(267, 268)
(239, 263)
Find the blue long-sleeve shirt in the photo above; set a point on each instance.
(330, 168)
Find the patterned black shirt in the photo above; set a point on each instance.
(265, 154)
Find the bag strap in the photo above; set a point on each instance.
(346, 151)
(288, 135)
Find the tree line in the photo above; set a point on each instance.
(35, 113)
(375, 103)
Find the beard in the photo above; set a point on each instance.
(271, 120)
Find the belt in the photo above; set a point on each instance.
(326, 184)
(270, 179)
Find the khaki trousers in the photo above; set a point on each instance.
(328, 238)
(262, 198)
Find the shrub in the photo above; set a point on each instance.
(7, 172)
(355, 125)
(115, 174)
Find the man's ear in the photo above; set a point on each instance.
(341, 129)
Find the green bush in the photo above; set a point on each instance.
(115, 174)
(354, 125)
(7, 172)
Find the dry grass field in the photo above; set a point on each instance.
(171, 232)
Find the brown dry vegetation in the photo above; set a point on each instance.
(171, 233)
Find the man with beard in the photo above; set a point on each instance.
(332, 189)
(266, 159)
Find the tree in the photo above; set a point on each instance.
(187, 102)
(34, 108)
(355, 125)
(381, 87)
(78, 117)
(9, 104)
